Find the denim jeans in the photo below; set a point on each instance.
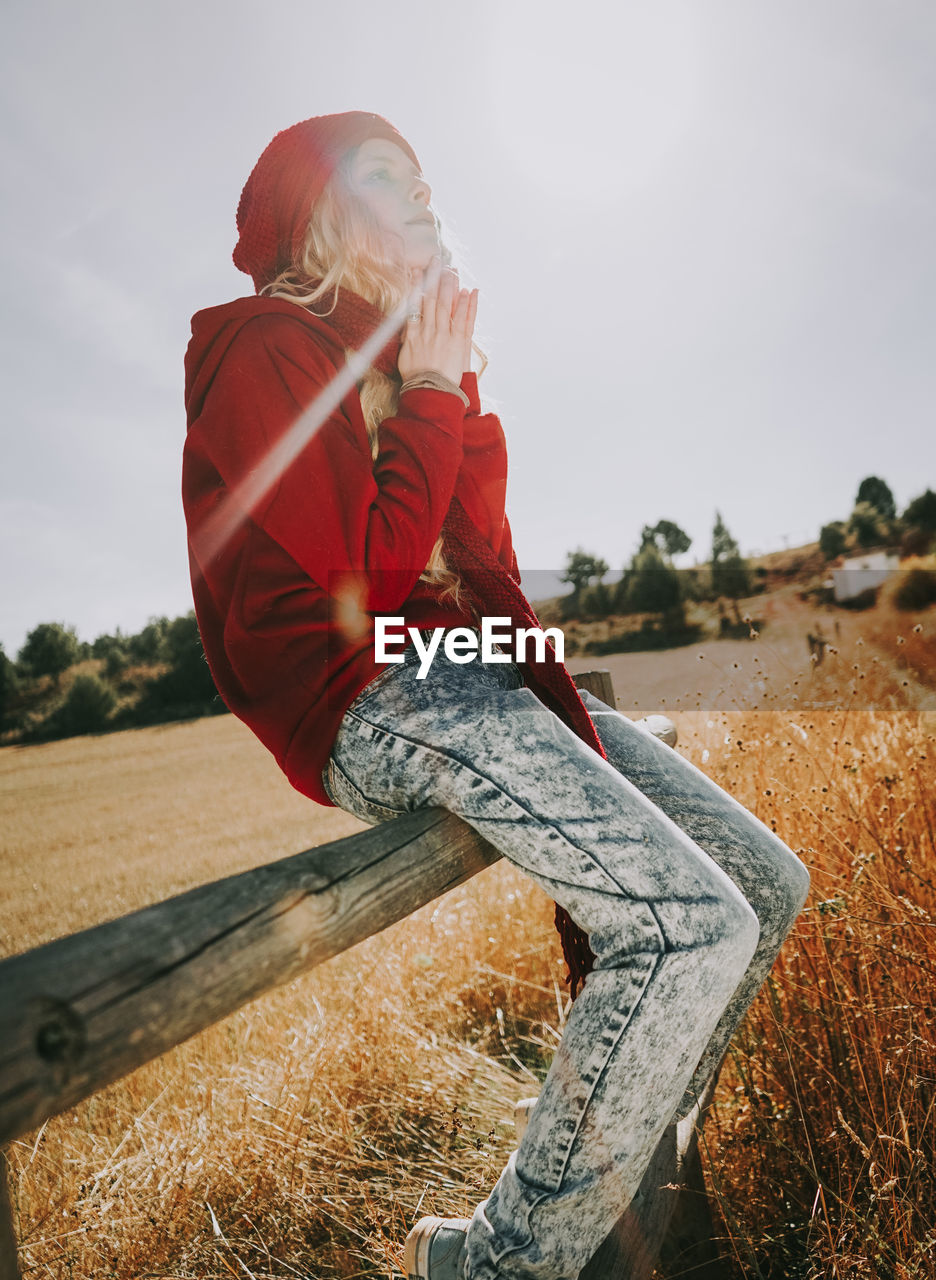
(685, 895)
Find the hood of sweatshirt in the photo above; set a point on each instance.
(215, 328)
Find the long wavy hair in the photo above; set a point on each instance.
(344, 248)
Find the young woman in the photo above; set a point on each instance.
(321, 501)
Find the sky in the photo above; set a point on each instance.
(702, 231)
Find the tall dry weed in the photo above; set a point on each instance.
(821, 1148)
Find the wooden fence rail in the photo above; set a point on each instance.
(85, 1010)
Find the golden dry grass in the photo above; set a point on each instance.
(303, 1135)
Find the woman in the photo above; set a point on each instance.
(318, 508)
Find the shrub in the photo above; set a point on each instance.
(187, 688)
(916, 542)
(85, 710)
(621, 592)
(868, 526)
(915, 589)
(692, 584)
(653, 585)
(921, 512)
(832, 540)
(729, 570)
(596, 601)
(115, 662)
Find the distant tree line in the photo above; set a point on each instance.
(158, 674)
(874, 523)
(651, 585)
(161, 673)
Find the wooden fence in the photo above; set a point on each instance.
(87, 1009)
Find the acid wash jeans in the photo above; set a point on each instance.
(686, 898)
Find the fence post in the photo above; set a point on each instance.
(9, 1267)
(598, 683)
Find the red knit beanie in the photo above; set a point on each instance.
(277, 198)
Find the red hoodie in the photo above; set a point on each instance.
(275, 629)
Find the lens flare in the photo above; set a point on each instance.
(239, 503)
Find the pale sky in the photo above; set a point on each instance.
(702, 233)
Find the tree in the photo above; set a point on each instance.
(188, 681)
(666, 537)
(877, 494)
(869, 525)
(112, 649)
(90, 701)
(149, 644)
(729, 569)
(596, 601)
(580, 568)
(921, 512)
(653, 583)
(832, 541)
(50, 649)
(8, 685)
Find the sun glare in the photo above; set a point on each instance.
(238, 504)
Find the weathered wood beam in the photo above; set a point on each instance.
(82, 1011)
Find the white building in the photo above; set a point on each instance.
(863, 572)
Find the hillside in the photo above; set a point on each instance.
(788, 606)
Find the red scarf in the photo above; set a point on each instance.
(497, 593)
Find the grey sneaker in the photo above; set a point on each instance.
(435, 1249)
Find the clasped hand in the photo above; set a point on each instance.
(439, 338)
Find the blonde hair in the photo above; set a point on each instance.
(344, 248)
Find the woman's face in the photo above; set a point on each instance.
(389, 184)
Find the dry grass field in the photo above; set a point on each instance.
(303, 1135)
